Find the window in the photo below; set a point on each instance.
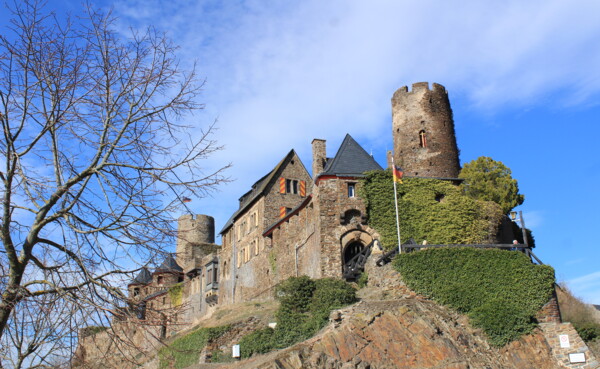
(351, 189)
(160, 280)
(212, 274)
(291, 186)
(422, 139)
(136, 291)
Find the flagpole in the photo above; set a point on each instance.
(396, 205)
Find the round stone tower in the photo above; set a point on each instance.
(193, 231)
(423, 132)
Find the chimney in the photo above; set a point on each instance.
(319, 156)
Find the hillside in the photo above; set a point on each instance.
(393, 327)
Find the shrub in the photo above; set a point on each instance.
(257, 342)
(588, 331)
(330, 294)
(295, 293)
(184, 351)
(305, 305)
(363, 280)
(500, 290)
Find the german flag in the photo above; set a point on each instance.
(397, 172)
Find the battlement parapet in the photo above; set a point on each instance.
(419, 87)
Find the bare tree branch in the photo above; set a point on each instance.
(95, 155)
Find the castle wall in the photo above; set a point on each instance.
(423, 132)
(246, 255)
(296, 248)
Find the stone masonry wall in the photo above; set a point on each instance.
(331, 198)
(428, 111)
(274, 200)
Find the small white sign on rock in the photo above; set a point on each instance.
(577, 357)
(564, 340)
(235, 351)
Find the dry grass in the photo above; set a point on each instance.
(573, 309)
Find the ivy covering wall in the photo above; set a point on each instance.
(501, 291)
(430, 209)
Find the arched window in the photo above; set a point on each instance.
(422, 139)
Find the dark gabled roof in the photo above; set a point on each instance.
(258, 188)
(169, 266)
(143, 277)
(351, 160)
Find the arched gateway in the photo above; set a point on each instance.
(356, 248)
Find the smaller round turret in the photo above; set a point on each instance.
(193, 231)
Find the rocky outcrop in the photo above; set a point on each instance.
(406, 334)
(393, 327)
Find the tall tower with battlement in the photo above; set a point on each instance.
(194, 234)
(423, 132)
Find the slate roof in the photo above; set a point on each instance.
(258, 188)
(143, 277)
(169, 266)
(351, 160)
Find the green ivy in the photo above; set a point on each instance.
(273, 261)
(176, 294)
(430, 209)
(500, 290)
(185, 350)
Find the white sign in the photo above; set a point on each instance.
(577, 358)
(235, 351)
(564, 340)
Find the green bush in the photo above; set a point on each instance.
(184, 351)
(588, 331)
(257, 342)
(363, 280)
(294, 294)
(430, 209)
(330, 294)
(305, 305)
(500, 290)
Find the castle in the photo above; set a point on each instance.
(291, 223)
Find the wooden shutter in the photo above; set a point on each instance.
(282, 212)
(302, 188)
(281, 185)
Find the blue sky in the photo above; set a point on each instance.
(523, 80)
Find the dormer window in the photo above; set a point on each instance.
(422, 139)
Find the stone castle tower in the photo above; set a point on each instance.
(423, 132)
(193, 233)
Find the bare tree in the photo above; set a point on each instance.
(94, 157)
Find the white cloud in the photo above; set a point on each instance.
(281, 73)
(587, 286)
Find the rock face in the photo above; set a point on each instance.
(392, 327)
(407, 334)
